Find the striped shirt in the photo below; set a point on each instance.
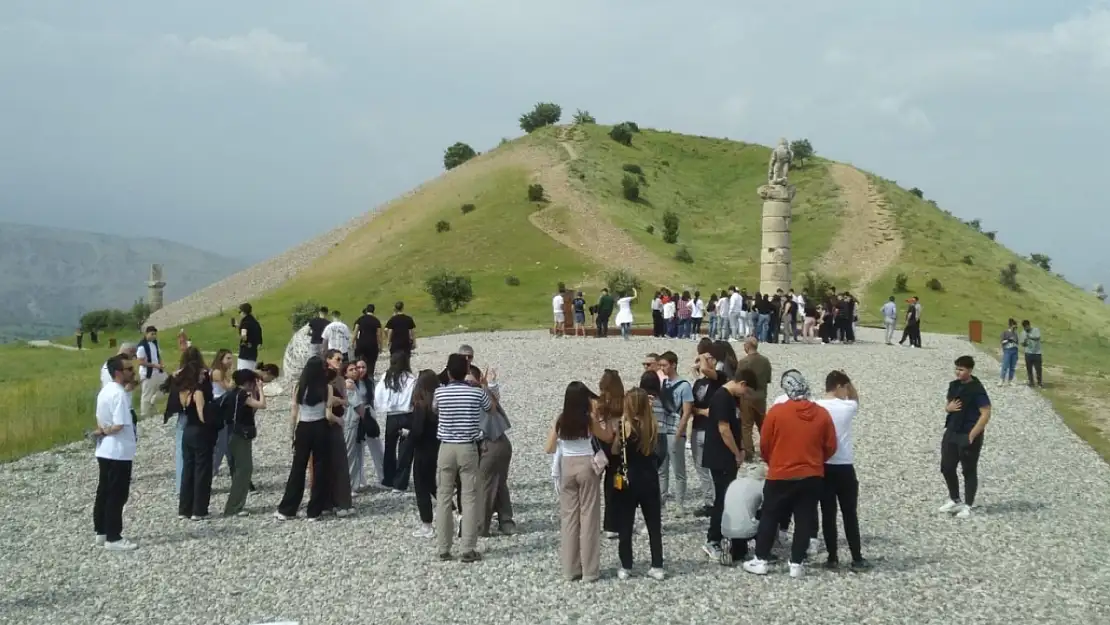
(460, 408)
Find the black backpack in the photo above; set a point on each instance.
(225, 408)
(666, 397)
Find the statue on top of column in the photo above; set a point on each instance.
(779, 167)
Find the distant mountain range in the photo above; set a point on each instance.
(49, 277)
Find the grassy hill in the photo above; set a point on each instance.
(858, 230)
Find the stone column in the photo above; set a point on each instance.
(774, 256)
(154, 288)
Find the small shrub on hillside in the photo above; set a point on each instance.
(583, 117)
(467, 208)
(974, 224)
(512, 280)
(543, 114)
(900, 281)
(683, 255)
(650, 229)
(918, 192)
(801, 150)
(1042, 261)
(990, 234)
(967, 260)
(1007, 277)
(632, 126)
(630, 186)
(443, 225)
(302, 313)
(934, 285)
(665, 163)
(622, 134)
(670, 227)
(457, 155)
(535, 192)
(815, 286)
(621, 282)
(633, 168)
(450, 291)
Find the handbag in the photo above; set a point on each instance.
(600, 460)
(621, 478)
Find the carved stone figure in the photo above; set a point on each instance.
(297, 353)
(779, 166)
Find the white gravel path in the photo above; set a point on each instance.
(1038, 551)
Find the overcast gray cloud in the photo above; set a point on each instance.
(196, 120)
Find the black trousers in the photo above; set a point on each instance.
(609, 514)
(955, 450)
(404, 464)
(390, 462)
(602, 326)
(312, 439)
(721, 481)
(658, 328)
(197, 445)
(1033, 365)
(640, 491)
(912, 331)
(782, 499)
(424, 470)
(841, 487)
(113, 487)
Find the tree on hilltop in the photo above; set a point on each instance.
(457, 155)
(801, 149)
(543, 114)
(918, 192)
(583, 117)
(1042, 261)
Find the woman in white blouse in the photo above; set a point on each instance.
(393, 401)
(624, 314)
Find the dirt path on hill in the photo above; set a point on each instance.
(574, 220)
(869, 241)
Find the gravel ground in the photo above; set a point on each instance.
(1037, 551)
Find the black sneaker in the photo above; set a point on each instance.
(704, 511)
(861, 565)
(252, 487)
(470, 556)
(832, 564)
(446, 556)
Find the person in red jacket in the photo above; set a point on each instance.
(796, 439)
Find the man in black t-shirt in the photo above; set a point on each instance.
(368, 338)
(402, 330)
(705, 386)
(723, 455)
(250, 338)
(316, 327)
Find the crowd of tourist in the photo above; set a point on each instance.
(761, 467)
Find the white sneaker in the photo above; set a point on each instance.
(755, 566)
(950, 507)
(242, 513)
(657, 574)
(611, 535)
(964, 513)
(797, 570)
(814, 546)
(101, 539)
(281, 517)
(121, 545)
(425, 531)
(712, 550)
(342, 513)
(623, 574)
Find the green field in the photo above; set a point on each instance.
(710, 183)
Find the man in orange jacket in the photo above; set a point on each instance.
(796, 439)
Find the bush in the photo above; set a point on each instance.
(512, 280)
(967, 260)
(632, 127)
(801, 150)
(650, 229)
(1007, 277)
(535, 192)
(683, 255)
(457, 155)
(302, 313)
(451, 291)
(467, 208)
(622, 134)
(633, 168)
(918, 192)
(815, 286)
(934, 285)
(543, 114)
(443, 225)
(990, 234)
(1042, 261)
(621, 282)
(670, 227)
(631, 187)
(583, 117)
(900, 281)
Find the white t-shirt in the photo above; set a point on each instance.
(557, 303)
(697, 308)
(113, 407)
(890, 311)
(624, 310)
(387, 400)
(735, 304)
(668, 309)
(657, 304)
(843, 412)
(337, 336)
(154, 357)
(105, 379)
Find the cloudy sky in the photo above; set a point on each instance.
(200, 120)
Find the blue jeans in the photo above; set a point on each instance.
(178, 454)
(713, 327)
(1009, 364)
(626, 330)
(684, 327)
(763, 328)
